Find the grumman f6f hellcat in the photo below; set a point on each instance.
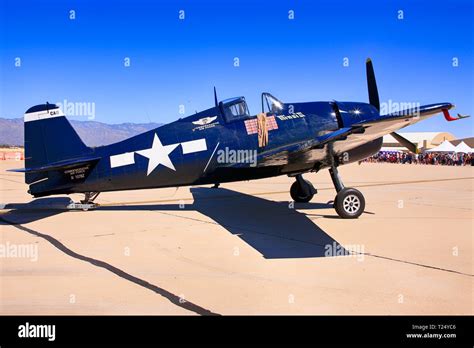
(286, 138)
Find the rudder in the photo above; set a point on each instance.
(49, 137)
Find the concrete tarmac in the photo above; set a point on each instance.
(244, 248)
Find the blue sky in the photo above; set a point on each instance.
(177, 62)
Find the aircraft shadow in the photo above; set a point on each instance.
(272, 228)
(40, 208)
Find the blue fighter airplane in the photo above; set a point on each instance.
(222, 144)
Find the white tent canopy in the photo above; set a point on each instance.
(445, 146)
(463, 147)
(391, 149)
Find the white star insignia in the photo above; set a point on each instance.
(158, 154)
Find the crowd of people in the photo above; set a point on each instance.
(434, 158)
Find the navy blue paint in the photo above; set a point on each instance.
(52, 141)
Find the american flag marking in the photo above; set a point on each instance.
(252, 128)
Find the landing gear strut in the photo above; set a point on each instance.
(302, 190)
(87, 203)
(89, 197)
(349, 202)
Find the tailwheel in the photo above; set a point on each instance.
(87, 203)
(349, 203)
(302, 191)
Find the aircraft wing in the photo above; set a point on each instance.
(345, 139)
(387, 124)
(411, 116)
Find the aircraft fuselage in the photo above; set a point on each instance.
(208, 148)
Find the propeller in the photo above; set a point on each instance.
(372, 85)
(375, 101)
(215, 97)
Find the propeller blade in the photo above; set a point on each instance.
(372, 85)
(215, 96)
(405, 142)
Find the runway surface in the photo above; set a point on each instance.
(244, 248)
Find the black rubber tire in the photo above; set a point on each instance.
(297, 194)
(349, 203)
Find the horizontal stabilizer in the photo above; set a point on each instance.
(75, 162)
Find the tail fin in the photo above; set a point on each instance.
(49, 138)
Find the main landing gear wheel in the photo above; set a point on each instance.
(302, 191)
(349, 203)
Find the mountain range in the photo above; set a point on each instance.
(91, 132)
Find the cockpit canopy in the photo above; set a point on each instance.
(235, 109)
(271, 104)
